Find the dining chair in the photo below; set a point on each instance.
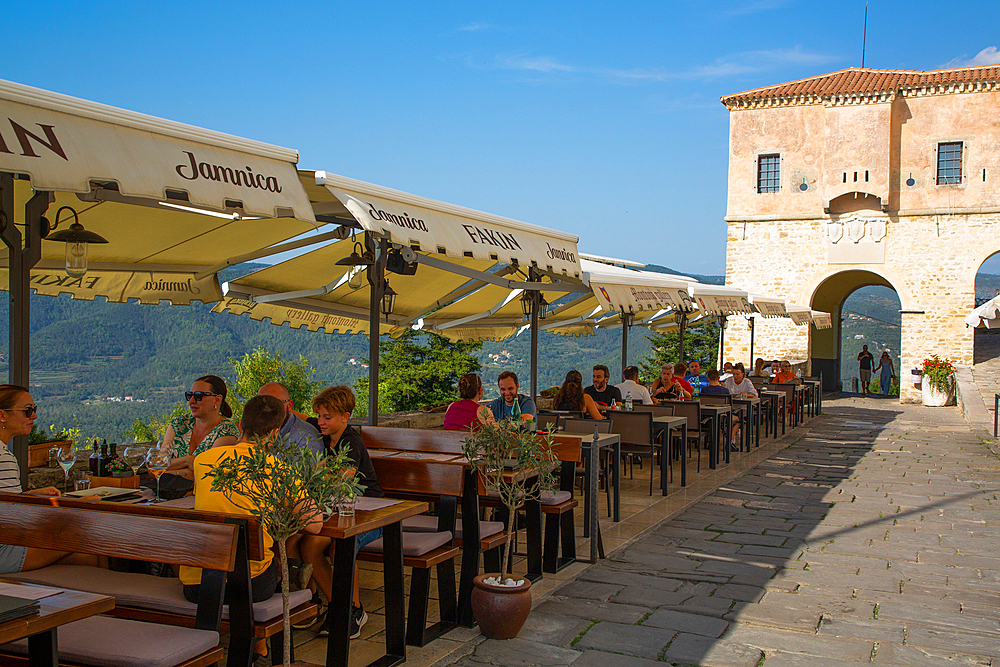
(637, 437)
(692, 411)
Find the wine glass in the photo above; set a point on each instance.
(157, 460)
(66, 458)
(135, 456)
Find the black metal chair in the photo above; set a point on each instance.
(637, 437)
(692, 411)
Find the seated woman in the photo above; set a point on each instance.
(466, 413)
(208, 425)
(785, 374)
(17, 416)
(571, 397)
(758, 367)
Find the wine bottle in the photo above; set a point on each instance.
(114, 452)
(94, 460)
(103, 460)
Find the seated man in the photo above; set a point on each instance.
(503, 407)
(727, 372)
(669, 387)
(714, 388)
(694, 374)
(296, 429)
(602, 393)
(631, 386)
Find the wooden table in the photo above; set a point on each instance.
(54, 610)
(670, 424)
(344, 530)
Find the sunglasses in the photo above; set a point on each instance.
(29, 410)
(197, 395)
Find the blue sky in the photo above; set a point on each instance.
(601, 119)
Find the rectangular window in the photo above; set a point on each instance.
(949, 170)
(768, 173)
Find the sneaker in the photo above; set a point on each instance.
(320, 617)
(358, 619)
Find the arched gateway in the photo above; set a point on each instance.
(864, 177)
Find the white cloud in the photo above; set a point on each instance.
(754, 6)
(735, 64)
(988, 56)
(476, 27)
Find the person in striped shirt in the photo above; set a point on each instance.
(17, 416)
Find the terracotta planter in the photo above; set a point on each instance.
(500, 611)
(935, 398)
(38, 454)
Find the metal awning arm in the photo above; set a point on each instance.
(254, 295)
(465, 290)
(472, 318)
(339, 233)
(444, 265)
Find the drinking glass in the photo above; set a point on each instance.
(66, 458)
(135, 456)
(157, 461)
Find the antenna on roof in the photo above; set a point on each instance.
(864, 36)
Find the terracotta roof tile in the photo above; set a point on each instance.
(857, 82)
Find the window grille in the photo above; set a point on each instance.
(949, 169)
(768, 173)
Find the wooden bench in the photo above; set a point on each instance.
(419, 480)
(558, 508)
(210, 545)
(160, 599)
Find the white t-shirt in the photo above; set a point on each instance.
(639, 392)
(10, 472)
(745, 387)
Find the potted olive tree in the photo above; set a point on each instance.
(285, 486)
(517, 464)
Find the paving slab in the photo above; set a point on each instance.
(638, 640)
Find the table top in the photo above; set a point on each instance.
(718, 409)
(668, 420)
(339, 527)
(55, 610)
(746, 399)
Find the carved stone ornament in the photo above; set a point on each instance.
(834, 231)
(855, 230)
(876, 229)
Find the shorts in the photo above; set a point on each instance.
(12, 558)
(866, 375)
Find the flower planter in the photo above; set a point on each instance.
(933, 397)
(500, 611)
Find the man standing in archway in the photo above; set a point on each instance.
(865, 360)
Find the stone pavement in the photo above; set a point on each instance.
(869, 540)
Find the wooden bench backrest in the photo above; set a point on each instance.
(255, 534)
(566, 447)
(209, 545)
(413, 439)
(398, 475)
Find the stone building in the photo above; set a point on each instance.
(864, 177)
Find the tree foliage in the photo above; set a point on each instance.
(701, 343)
(260, 366)
(418, 369)
(152, 430)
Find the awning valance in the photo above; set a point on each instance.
(768, 306)
(66, 144)
(453, 231)
(625, 290)
(799, 314)
(721, 300)
(821, 320)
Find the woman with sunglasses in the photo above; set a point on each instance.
(207, 425)
(17, 416)
(785, 374)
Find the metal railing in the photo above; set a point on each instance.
(996, 413)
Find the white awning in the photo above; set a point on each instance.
(799, 314)
(454, 231)
(986, 315)
(624, 290)
(721, 300)
(821, 320)
(66, 144)
(768, 306)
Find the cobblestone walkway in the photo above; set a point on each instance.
(873, 539)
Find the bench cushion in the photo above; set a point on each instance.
(414, 544)
(143, 591)
(554, 497)
(424, 523)
(119, 642)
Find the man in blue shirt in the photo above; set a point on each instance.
(694, 375)
(503, 407)
(297, 430)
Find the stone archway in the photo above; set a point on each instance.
(829, 297)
